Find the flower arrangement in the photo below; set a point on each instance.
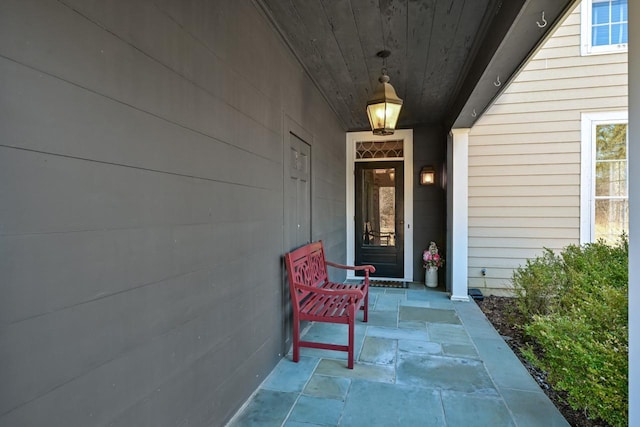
(431, 257)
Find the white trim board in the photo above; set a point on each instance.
(458, 214)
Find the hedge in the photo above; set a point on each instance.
(574, 307)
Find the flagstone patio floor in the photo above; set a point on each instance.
(421, 360)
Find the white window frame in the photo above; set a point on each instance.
(585, 34)
(587, 162)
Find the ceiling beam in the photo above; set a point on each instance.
(507, 50)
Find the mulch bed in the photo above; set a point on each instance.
(498, 311)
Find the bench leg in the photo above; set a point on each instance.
(352, 330)
(366, 308)
(296, 340)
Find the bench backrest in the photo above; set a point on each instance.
(305, 266)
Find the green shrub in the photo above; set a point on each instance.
(575, 308)
(537, 283)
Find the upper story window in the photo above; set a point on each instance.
(604, 26)
(605, 180)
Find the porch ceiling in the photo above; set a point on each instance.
(446, 55)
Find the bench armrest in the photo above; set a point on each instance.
(369, 268)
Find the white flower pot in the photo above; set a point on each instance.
(431, 277)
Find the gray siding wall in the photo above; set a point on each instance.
(429, 202)
(141, 207)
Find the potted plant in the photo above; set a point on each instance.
(431, 260)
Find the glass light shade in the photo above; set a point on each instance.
(383, 108)
(427, 176)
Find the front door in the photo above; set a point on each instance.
(379, 217)
(297, 230)
(298, 193)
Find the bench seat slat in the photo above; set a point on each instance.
(317, 306)
(329, 307)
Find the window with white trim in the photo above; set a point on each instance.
(605, 180)
(604, 26)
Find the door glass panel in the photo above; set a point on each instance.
(378, 207)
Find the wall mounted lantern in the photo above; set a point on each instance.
(427, 175)
(383, 108)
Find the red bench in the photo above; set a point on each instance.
(315, 298)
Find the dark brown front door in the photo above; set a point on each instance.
(379, 217)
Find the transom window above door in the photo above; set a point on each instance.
(379, 149)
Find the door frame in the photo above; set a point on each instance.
(407, 136)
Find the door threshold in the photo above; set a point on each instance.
(380, 279)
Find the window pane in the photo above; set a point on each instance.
(619, 34)
(387, 216)
(600, 35)
(609, 22)
(600, 12)
(611, 178)
(619, 11)
(612, 218)
(611, 141)
(611, 181)
(378, 207)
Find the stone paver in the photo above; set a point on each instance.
(328, 387)
(422, 360)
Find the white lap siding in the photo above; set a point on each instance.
(524, 156)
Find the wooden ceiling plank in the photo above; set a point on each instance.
(367, 17)
(444, 52)
(343, 24)
(393, 16)
(320, 32)
(297, 34)
(462, 48)
(446, 20)
(420, 16)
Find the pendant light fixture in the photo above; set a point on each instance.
(383, 108)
